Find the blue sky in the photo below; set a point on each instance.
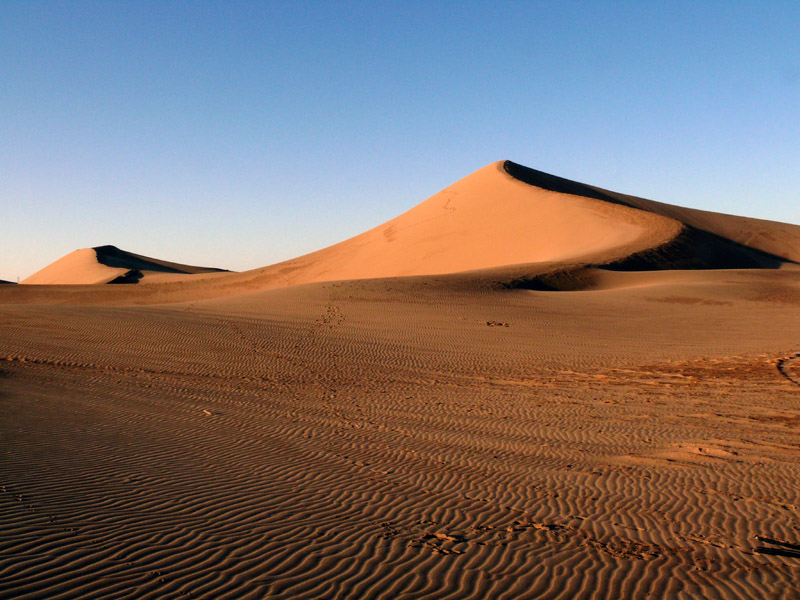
(240, 134)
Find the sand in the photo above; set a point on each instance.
(442, 418)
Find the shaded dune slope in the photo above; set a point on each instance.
(108, 264)
(747, 242)
(707, 240)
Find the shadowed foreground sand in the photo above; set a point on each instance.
(479, 434)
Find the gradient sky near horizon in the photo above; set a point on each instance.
(237, 135)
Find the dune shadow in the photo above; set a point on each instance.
(697, 249)
(111, 256)
(132, 276)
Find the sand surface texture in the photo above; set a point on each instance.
(588, 396)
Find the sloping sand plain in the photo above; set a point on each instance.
(522, 388)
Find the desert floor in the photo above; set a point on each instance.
(407, 438)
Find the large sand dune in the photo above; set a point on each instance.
(487, 219)
(422, 411)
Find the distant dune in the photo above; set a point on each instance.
(109, 264)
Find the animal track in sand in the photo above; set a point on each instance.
(425, 534)
(420, 535)
(625, 549)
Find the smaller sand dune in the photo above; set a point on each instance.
(109, 264)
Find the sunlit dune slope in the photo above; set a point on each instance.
(109, 264)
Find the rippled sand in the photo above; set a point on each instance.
(405, 439)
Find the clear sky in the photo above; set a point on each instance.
(239, 134)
